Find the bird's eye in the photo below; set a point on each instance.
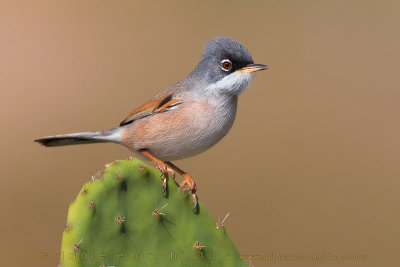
(226, 64)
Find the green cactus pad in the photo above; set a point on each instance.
(122, 218)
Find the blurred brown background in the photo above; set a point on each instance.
(310, 167)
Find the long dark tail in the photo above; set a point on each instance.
(112, 135)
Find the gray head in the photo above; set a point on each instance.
(225, 67)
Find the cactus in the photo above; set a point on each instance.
(122, 218)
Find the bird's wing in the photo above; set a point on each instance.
(154, 106)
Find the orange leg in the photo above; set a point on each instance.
(187, 180)
(161, 166)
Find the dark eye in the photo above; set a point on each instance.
(226, 64)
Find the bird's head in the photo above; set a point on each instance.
(225, 67)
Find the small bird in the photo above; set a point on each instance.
(187, 118)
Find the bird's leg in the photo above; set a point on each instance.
(187, 180)
(161, 166)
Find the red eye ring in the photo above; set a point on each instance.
(226, 65)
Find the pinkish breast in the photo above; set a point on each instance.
(189, 129)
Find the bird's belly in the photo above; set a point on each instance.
(183, 132)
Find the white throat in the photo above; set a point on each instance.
(235, 83)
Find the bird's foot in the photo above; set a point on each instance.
(164, 172)
(188, 181)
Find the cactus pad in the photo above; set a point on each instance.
(122, 218)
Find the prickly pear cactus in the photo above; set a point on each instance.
(122, 218)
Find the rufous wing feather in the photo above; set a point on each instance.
(154, 106)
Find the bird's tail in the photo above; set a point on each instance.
(112, 135)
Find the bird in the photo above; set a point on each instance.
(185, 119)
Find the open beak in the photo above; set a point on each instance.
(253, 68)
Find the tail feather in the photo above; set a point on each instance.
(111, 135)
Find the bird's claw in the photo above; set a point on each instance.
(189, 182)
(195, 202)
(164, 173)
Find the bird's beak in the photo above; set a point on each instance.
(253, 68)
